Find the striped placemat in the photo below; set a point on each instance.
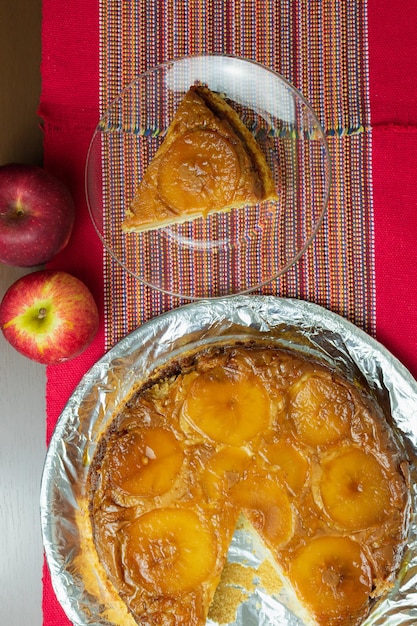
(321, 48)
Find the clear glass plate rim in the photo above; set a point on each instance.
(326, 169)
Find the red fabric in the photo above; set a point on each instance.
(70, 108)
(392, 36)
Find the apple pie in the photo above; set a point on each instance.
(259, 434)
(208, 161)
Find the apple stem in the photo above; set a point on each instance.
(42, 313)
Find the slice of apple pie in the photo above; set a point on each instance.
(209, 161)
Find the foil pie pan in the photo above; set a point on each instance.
(291, 324)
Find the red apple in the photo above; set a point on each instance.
(49, 316)
(36, 215)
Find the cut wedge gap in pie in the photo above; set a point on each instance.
(168, 494)
(208, 162)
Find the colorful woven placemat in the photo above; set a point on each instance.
(352, 60)
(318, 47)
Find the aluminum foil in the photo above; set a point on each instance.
(294, 324)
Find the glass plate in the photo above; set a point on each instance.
(225, 253)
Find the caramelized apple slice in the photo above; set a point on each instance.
(223, 471)
(145, 462)
(333, 578)
(321, 409)
(228, 408)
(267, 507)
(198, 172)
(289, 463)
(354, 489)
(169, 550)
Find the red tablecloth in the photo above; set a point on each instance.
(353, 61)
(392, 45)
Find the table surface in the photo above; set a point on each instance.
(22, 382)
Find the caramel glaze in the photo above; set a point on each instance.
(277, 474)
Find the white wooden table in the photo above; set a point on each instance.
(22, 382)
(22, 453)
